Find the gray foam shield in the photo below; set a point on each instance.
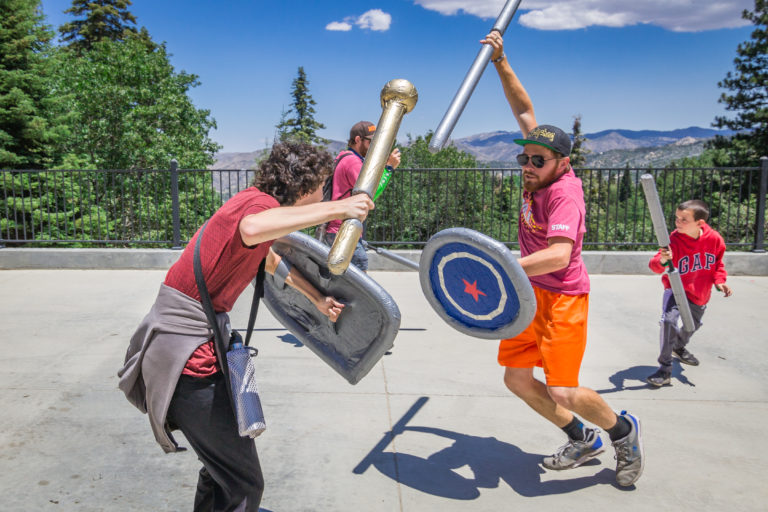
(365, 329)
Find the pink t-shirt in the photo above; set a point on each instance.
(344, 179)
(556, 211)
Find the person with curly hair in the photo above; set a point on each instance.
(172, 371)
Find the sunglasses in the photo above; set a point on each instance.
(536, 160)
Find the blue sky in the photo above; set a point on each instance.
(651, 64)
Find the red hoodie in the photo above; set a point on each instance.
(699, 261)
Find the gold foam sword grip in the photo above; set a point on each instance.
(398, 97)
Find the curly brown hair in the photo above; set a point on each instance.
(292, 170)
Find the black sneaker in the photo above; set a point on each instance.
(658, 379)
(686, 357)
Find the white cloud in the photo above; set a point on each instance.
(339, 26)
(675, 15)
(375, 19)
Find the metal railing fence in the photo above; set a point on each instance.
(164, 208)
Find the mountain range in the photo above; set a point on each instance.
(608, 148)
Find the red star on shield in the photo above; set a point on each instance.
(472, 289)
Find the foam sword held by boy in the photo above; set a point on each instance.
(662, 235)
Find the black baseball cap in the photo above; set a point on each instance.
(550, 137)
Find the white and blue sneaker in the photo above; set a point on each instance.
(629, 453)
(575, 453)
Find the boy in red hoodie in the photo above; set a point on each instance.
(697, 252)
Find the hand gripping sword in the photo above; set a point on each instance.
(466, 88)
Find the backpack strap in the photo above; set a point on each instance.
(341, 156)
(328, 191)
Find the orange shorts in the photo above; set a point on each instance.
(555, 340)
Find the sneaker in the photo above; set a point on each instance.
(629, 453)
(658, 379)
(686, 357)
(575, 453)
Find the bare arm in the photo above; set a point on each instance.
(553, 258)
(276, 222)
(327, 305)
(516, 95)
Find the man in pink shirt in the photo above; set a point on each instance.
(550, 233)
(347, 167)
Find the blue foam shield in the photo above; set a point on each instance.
(476, 284)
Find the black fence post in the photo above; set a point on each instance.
(760, 224)
(175, 205)
(5, 197)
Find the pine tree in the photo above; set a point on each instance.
(749, 94)
(625, 185)
(578, 152)
(24, 43)
(299, 122)
(100, 19)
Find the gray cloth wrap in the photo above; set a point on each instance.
(173, 329)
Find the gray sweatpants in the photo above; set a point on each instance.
(672, 335)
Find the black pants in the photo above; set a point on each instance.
(230, 479)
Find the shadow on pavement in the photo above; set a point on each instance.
(639, 374)
(291, 340)
(491, 462)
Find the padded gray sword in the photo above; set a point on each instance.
(467, 87)
(662, 235)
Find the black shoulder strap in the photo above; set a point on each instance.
(328, 192)
(205, 298)
(338, 160)
(258, 293)
(341, 156)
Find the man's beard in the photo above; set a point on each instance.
(538, 185)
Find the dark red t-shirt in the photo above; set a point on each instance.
(228, 265)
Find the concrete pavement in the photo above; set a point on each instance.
(597, 262)
(431, 428)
